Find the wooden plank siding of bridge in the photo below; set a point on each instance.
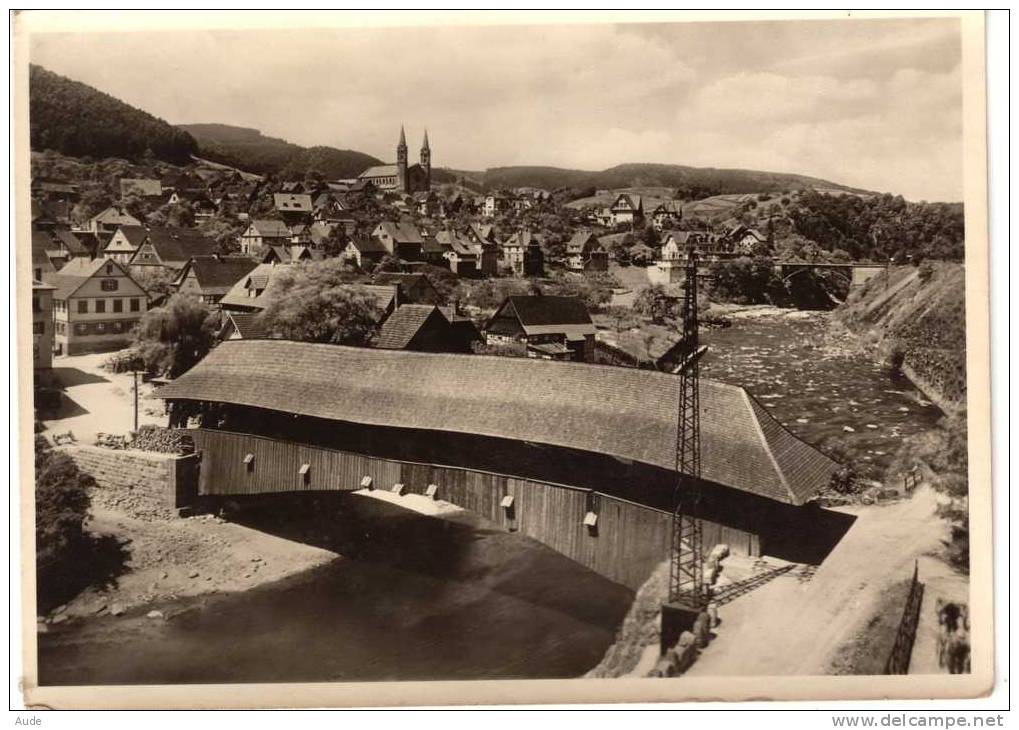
(629, 540)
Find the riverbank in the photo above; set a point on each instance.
(167, 559)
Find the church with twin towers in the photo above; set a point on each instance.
(403, 177)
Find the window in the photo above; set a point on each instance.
(117, 327)
(135, 304)
(83, 306)
(110, 284)
(81, 328)
(100, 328)
(37, 274)
(100, 306)
(109, 272)
(36, 307)
(118, 305)
(38, 328)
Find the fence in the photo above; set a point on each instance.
(902, 649)
(911, 480)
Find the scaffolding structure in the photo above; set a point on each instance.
(686, 569)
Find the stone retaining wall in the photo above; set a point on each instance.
(142, 483)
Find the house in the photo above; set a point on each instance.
(402, 240)
(42, 325)
(125, 243)
(96, 304)
(460, 254)
(263, 232)
(745, 241)
(584, 252)
(60, 244)
(414, 288)
(497, 202)
(289, 254)
(666, 215)
(248, 293)
(242, 326)
(627, 209)
(140, 187)
(551, 327)
(108, 221)
(420, 327)
(293, 207)
(210, 277)
(365, 251)
(171, 248)
(203, 208)
(522, 253)
(52, 189)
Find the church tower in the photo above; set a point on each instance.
(402, 181)
(426, 161)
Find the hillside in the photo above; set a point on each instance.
(77, 120)
(917, 322)
(250, 150)
(699, 182)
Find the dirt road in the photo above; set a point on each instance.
(795, 627)
(97, 400)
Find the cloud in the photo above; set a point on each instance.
(869, 103)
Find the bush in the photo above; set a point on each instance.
(61, 511)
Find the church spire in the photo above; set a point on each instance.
(424, 145)
(403, 138)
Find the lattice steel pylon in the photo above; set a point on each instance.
(686, 569)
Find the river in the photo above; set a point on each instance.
(416, 597)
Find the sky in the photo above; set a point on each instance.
(875, 104)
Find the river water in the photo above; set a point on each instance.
(416, 597)
(819, 386)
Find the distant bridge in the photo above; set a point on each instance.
(857, 274)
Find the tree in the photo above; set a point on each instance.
(313, 302)
(61, 511)
(653, 302)
(155, 280)
(172, 338)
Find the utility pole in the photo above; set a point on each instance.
(687, 597)
(135, 374)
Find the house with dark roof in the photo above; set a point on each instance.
(125, 242)
(364, 251)
(210, 277)
(263, 232)
(665, 215)
(96, 304)
(400, 238)
(108, 221)
(550, 327)
(289, 254)
(171, 248)
(483, 428)
(584, 252)
(460, 253)
(242, 326)
(420, 327)
(414, 288)
(522, 253)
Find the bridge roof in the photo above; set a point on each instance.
(624, 412)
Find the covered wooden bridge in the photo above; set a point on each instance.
(578, 456)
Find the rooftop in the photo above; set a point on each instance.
(623, 412)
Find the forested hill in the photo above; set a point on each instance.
(248, 149)
(693, 182)
(77, 120)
